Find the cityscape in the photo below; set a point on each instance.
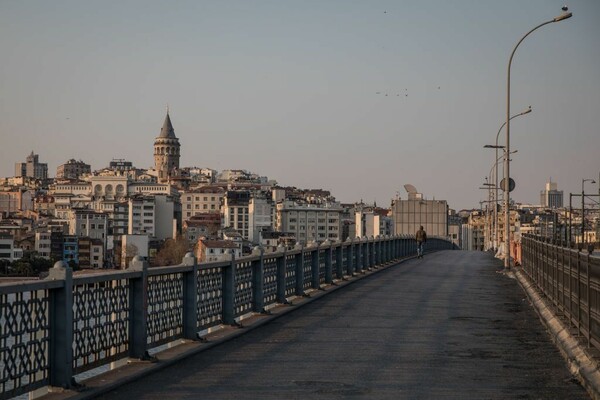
(101, 219)
(411, 190)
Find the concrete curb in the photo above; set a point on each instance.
(581, 365)
(113, 379)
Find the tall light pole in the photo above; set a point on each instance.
(506, 188)
(583, 209)
(496, 146)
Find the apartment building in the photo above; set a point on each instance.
(72, 169)
(310, 222)
(8, 251)
(154, 216)
(206, 199)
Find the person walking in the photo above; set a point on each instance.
(421, 238)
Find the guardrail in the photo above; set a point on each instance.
(570, 279)
(56, 328)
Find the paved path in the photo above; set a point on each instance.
(446, 326)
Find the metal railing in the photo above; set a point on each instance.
(570, 279)
(56, 328)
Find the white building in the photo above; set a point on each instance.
(8, 251)
(216, 250)
(367, 224)
(551, 197)
(131, 246)
(310, 222)
(153, 216)
(260, 217)
(90, 224)
(42, 244)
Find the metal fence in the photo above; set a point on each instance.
(53, 329)
(570, 279)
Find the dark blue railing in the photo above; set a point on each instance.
(54, 329)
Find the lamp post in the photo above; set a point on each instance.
(506, 188)
(583, 210)
(496, 146)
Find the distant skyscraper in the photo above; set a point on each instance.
(166, 151)
(32, 168)
(551, 197)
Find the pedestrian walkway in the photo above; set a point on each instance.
(445, 326)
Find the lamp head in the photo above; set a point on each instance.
(564, 15)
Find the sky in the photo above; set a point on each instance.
(355, 97)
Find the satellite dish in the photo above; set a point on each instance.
(410, 188)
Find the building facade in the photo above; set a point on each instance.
(206, 199)
(72, 169)
(551, 197)
(309, 222)
(409, 215)
(32, 168)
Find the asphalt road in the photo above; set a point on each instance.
(447, 326)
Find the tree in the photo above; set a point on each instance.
(172, 251)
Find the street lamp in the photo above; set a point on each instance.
(583, 209)
(506, 188)
(496, 146)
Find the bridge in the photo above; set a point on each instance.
(361, 318)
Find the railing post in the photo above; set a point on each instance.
(138, 310)
(339, 261)
(366, 254)
(328, 262)
(281, 267)
(190, 295)
(350, 256)
(258, 281)
(359, 256)
(587, 295)
(300, 270)
(229, 292)
(375, 253)
(579, 293)
(315, 266)
(61, 327)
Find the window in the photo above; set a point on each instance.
(92, 226)
(205, 198)
(100, 226)
(83, 226)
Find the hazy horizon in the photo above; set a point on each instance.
(358, 98)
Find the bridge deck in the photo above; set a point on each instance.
(446, 326)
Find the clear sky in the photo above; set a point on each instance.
(357, 97)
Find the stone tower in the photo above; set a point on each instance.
(166, 151)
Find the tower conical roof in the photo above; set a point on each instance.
(167, 130)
